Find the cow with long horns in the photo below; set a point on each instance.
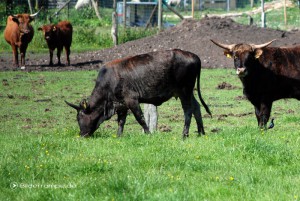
(19, 33)
(151, 78)
(267, 74)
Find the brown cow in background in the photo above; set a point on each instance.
(58, 36)
(19, 33)
(267, 74)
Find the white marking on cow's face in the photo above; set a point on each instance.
(241, 72)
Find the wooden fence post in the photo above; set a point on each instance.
(114, 27)
(159, 14)
(150, 114)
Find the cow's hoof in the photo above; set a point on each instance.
(185, 136)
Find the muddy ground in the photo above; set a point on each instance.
(191, 35)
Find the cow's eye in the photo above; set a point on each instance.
(235, 57)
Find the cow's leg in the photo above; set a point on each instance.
(51, 57)
(59, 49)
(122, 114)
(68, 51)
(197, 115)
(135, 108)
(15, 55)
(257, 113)
(188, 111)
(264, 114)
(23, 54)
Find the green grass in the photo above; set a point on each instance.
(42, 154)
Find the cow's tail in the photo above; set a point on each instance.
(199, 94)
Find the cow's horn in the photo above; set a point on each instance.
(35, 14)
(262, 45)
(76, 107)
(224, 46)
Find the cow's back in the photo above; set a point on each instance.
(156, 76)
(11, 32)
(282, 61)
(187, 66)
(171, 65)
(66, 31)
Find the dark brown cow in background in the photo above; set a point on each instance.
(267, 73)
(151, 78)
(19, 33)
(58, 36)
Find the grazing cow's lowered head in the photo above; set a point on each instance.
(267, 74)
(19, 33)
(151, 78)
(90, 119)
(58, 36)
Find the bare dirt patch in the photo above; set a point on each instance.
(191, 35)
(225, 85)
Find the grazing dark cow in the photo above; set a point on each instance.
(19, 33)
(267, 73)
(58, 36)
(148, 78)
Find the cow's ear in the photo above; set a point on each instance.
(85, 106)
(258, 53)
(15, 18)
(31, 19)
(228, 53)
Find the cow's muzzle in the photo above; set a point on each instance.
(24, 31)
(241, 71)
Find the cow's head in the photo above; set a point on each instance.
(49, 31)
(23, 21)
(89, 119)
(244, 55)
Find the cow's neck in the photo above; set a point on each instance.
(252, 83)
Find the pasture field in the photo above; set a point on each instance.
(43, 158)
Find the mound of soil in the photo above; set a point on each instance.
(191, 35)
(225, 85)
